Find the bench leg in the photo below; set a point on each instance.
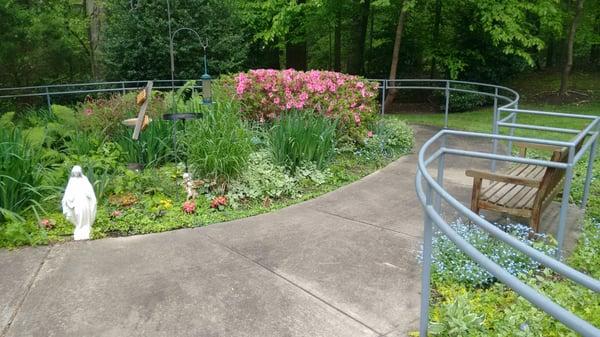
(534, 223)
(475, 195)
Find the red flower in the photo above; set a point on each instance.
(357, 119)
(370, 134)
(116, 214)
(218, 202)
(46, 223)
(189, 207)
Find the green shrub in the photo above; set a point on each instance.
(395, 134)
(14, 234)
(462, 101)
(185, 99)
(298, 137)
(105, 115)
(218, 145)
(390, 138)
(21, 172)
(65, 115)
(262, 178)
(81, 143)
(504, 313)
(154, 146)
(586, 255)
(265, 94)
(459, 319)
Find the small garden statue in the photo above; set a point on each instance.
(190, 186)
(79, 204)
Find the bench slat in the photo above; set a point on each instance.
(502, 190)
(497, 189)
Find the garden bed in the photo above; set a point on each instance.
(271, 139)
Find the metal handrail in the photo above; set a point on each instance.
(435, 192)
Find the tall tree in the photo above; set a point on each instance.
(356, 59)
(404, 6)
(93, 11)
(296, 49)
(337, 40)
(568, 65)
(436, 35)
(136, 44)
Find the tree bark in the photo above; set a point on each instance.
(595, 49)
(391, 96)
(550, 53)
(337, 41)
(564, 80)
(356, 62)
(296, 51)
(436, 36)
(93, 13)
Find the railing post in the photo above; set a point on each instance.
(437, 202)
(425, 278)
(589, 173)
(383, 88)
(512, 129)
(447, 104)
(123, 87)
(48, 101)
(495, 128)
(564, 206)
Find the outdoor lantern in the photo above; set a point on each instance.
(206, 89)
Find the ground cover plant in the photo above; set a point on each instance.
(241, 166)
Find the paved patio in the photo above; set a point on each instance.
(343, 264)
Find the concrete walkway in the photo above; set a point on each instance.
(343, 264)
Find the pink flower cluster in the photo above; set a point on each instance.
(266, 93)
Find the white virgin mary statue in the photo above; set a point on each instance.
(79, 204)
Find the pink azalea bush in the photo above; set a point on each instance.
(265, 93)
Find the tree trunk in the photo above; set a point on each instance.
(296, 52)
(357, 55)
(93, 13)
(564, 80)
(371, 27)
(550, 54)
(337, 41)
(295, 55)
(595, 49)
(436, 36)
(391, 96)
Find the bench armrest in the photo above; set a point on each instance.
(545, 147)
(504, 178)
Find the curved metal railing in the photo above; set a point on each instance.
(431, 191)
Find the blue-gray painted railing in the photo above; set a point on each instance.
(431, 191)
(49, 91)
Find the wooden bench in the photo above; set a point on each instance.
(522, 190)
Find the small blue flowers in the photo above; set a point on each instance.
(450, 264)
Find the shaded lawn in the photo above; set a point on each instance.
(481, 120)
